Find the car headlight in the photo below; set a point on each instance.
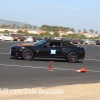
(22, 47)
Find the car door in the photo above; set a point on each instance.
(55, 52)
(51, 51)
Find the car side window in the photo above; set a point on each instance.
(46, 44)
(55, 44)
(52, 44)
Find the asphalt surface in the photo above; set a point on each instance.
(17, 73)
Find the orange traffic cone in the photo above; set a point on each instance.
(50, 66)
(83, 70)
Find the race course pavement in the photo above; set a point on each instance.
(17, 73)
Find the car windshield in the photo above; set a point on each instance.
(39, 42)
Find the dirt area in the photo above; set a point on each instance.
(67, 92)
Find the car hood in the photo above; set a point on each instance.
(25, 44)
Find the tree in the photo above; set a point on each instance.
(96, 32)
(66, 29)
(84, 30)
(19, 31)
(79, 31)
(55, 34)
(25, 26)
(60, 28)
(91, 30)
(3, 26)
(72, 29)
(54, 28)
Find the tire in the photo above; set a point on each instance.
(27, 54)
(72, 57)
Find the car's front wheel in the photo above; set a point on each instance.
(72, 57)
(27, 55)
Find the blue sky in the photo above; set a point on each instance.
(77, 14)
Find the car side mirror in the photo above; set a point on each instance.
(45, 46)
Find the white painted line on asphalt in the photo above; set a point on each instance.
(4, 48)
(47, 68)
(93, 71)
(64, 69)
(24, 66)
(36, 67)
(92, 59)
(89, 59)
(4, 53)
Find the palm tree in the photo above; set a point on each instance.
(79, 31)
(91, 30)
(84, 30)
(96, 32)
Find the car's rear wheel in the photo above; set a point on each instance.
(72, 57)
(27, 55)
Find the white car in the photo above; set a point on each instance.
(1, 37)
(6, 38)
(87, 41)
(29, 39)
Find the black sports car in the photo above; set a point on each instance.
(48, 49)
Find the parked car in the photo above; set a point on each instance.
(29, 38)
(1, 36)
(87, 41)
(56, 49)
(21, 38)
(18, 37)
(74, 41)
(15, 36)
(6, 37)
(97, 42)
(81, 41)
